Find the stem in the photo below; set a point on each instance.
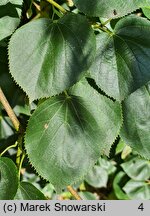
(107, 21)
(103, 28)
(37, 6)
(19, 151)
(73, 192)
(36, 17)
(9, 110)
(57, 6)
(9, 147)
(20, 166)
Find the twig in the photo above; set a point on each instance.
(9, 110)
(9, 147)
(73, 192)
(57, 6)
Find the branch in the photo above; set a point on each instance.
(74, 193)
(57, 6)
(9, 110)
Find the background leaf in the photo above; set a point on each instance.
(109, 9)
(117, 186)
(137, 190)
(48, 57)
(122, 60)
(84, 123)
(10, 13)
(136, 126)
(137, 168)
(27, 191)
(8, 179)
(98, 177)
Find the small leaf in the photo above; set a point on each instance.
(28, 191)
(136, 127)
(82, 123)
(117, 186)
(10, 13)
(48, 57)
(122, 60)
(137, 190)
(137, 168)
(97, 177)
(107, 165)
(109, 9)
(8, 179)
(85, 195)
(4, 2)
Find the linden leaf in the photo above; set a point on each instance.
(109, 9)
(122, 60)
(82, 123)
(48, 57)
(136, 126)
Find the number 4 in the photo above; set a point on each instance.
(141, 207)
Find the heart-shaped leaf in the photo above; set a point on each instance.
(122, 61)
(8, 179)
(70, 126)
(48, 57)
(136, 126)
(109, 9)
(27, 191)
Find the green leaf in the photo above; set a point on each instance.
(6, 127)
(4, 2)
(146, 11)
(109, 9)
(122, 61)
(136, 126)
(138, 169)
(117, 186)
(107, 165)
(85, 195)
(137, 190)
(84, 123)
(97, 177)
(8, 179)
(27, 191)
(48, 57)
(10, 13)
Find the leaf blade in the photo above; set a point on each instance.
(59, 55)
(69, 129)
